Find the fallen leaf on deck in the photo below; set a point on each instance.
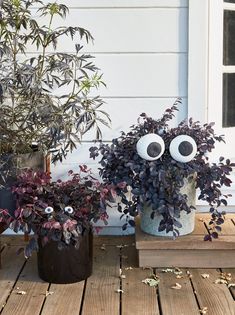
(177, 286)
(221, 281)
(119, 291)
(204, 310)
(121, 246)
(175, 270)
(231, 285)
(179, 276)
(49, 293)
(226, 276)
(103, 247)
(205, 275)
(152, 282)
(121, 275)
(128, 268)
(167, 270)
(21, 292)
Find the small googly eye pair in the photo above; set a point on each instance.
(48, 210)
(68, 209)
(151, 147)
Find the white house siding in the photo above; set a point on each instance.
(141, 47)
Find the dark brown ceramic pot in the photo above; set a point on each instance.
(67, 265)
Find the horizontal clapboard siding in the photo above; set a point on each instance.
(141, 48)
(123, 3)
(126, 30)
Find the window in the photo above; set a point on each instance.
(229, 67)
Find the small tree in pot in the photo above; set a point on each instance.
(44, 98)
(156, 162)
(61, 215)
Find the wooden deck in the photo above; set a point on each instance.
(115, 287)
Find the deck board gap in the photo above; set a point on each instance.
(207, 227)
(158, 301)
(83, 297)
(120, 284)
(195, 293)
(158, 295)
(13, 286)
(44, 301)
(231, 290)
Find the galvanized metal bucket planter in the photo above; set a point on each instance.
(150, 226)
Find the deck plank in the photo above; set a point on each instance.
(175, 301)
(232, 271)
(64, 299)
(216, 297)
(228, 228)
(11, 266)
(100, 294)
(138, 298)
(35, 292)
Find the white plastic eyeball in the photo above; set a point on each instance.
(68, 209)
(49, 210)
(183, 148)
(150, 147)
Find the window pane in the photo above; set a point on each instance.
(229, 37)
(228, 99)
(230, 1)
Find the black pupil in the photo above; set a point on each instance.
(154, 149)
(185, 148)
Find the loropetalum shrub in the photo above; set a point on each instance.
(60, 211)
(157, 183)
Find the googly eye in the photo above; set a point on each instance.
(183, 148)
(150, 147)
(68, 209)
(49, 210)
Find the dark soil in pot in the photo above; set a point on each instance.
(67, 265)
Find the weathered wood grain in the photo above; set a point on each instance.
(228, 227)
(138, 298)
(187, 258)
(64, 299)
(31, 302)
(101, 295)
(216, 297)
(232, 288)
(11, 266)
(175, 301)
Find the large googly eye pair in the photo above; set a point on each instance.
(48, 210)
(68, 209)
(150, 147)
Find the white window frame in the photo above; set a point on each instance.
(205, 62)
(205, 69)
